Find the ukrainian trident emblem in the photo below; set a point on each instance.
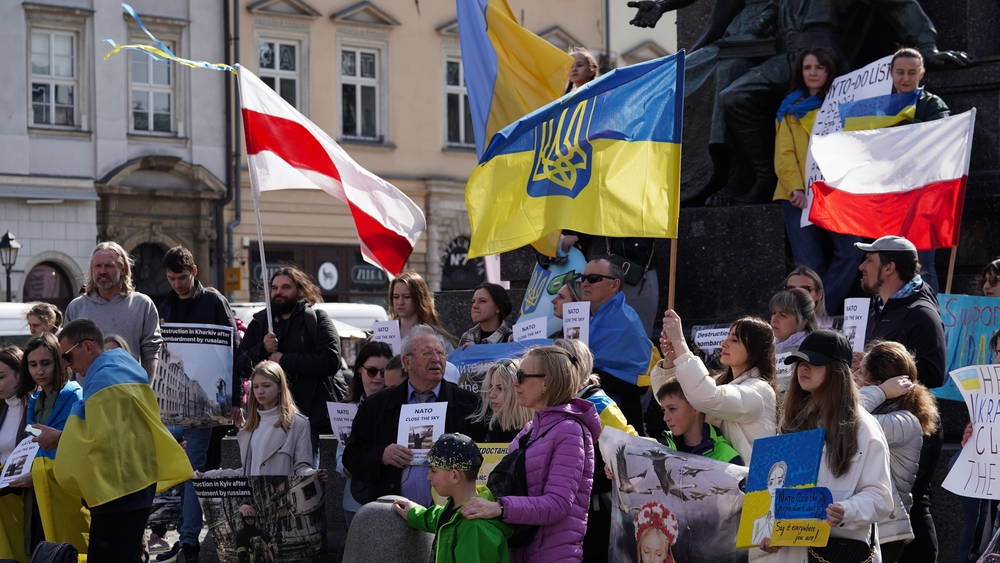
(563, 154)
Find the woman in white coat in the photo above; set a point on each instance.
(742, 399)
(855, 461)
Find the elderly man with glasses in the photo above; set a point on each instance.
(372, 454)
(622, 350)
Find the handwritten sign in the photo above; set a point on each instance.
(341, 419)
(576, 321)
(19, 461)
(976, 473)
(530, 329)
(969, 322)
(794, 503)
(420, 425)
(856, 321)
(388, 332)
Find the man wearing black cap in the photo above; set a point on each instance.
(905, 310)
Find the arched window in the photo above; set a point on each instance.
(48, 282)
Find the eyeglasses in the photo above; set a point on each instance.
(67, 357)
(431, 353)
(808, 288)
(593, 278)
(521, 376)
(372, 372)
(991, 280)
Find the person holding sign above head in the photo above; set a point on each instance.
(372, 454)
(412, 303)
(742, 399)
(13, 409)
(855, 461)
(490, 307)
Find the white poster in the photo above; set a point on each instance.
(420, 425)
(193, 384)
(976, 473)
(341, 419)
(783, 373)
(856, 321)
(530, 329)
(19, 461)
(867, 82)
(576, 321)
(388, 332)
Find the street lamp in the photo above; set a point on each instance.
(8, 256)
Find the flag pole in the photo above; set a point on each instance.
(951, 267)
(673, 273)
(263, 262)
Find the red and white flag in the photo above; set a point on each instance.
(907, 181)
(287, 151)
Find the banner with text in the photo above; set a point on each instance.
(976, 473)
(193, 384)
(969, 322)
(473, 361)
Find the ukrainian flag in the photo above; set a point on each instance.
(603, 160)
(509, 71)
(879, 112)
(114, 443)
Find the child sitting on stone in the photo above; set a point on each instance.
(455, 461)
(688, 431)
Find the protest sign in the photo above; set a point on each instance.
(707, 341)
(856, 321)
(782, 372)
(492, 454)
(545, 283)
(530, 329)
(688, 503)
(388, 332)
(976, 473)
(800, 516)
(866, 82)
(420, 425)
(265, 518)
(341, 419)
(193, 384)
(19, 461)
(788, 460)
(576, 321)
(969, 322)
(473, 361)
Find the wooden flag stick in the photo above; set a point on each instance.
(671, 293)
(951, 267)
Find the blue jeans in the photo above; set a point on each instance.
(189, 523)
(807, 250)
(927, 270)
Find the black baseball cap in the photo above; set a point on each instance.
(455, 451)
(822, 347)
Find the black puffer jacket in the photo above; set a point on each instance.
(915, 322)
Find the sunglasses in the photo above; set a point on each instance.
(991, 280)
(521, 376)
(67, 357)
(593, 278)
(372, 372)
(808, 288)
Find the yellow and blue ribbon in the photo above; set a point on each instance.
(161, 52)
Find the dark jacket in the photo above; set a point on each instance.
(915, 322)
(375, 428)
(929, 108)
(203, 307)
(310, 353)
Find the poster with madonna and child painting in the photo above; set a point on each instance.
(265, 519)
(671, 506)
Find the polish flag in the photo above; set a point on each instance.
(907, 181)
(287, 151)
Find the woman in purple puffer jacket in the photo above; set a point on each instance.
(559, 460)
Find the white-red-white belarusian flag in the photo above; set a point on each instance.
(907, 181)
(287, 151)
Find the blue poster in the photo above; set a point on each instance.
(473, 361)
(545, 284)
(969, 322)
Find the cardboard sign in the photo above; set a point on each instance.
(388, 332)
(856, 321)
(576, 321)
(530, 329)
(341, 419)
(800, 516)
(19, 461)
(420, 425)
(976, 473)
(193, 386)
(969, 322)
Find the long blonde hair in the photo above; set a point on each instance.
(286, 406)
(511, 415)
(124, 261)
(423, 303)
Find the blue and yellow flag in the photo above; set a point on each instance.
(114, 443)
(509, 71)
(603, 160)
(878, 112)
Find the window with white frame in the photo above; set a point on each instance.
(152, 94)
(54, 75)
(359, 96)
(459, 125)
(278, 67)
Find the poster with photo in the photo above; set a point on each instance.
(420, 425)
(19, 461)
(576, 321)
(663, 500)
(193, 384)
(341, 419)
(265, 518)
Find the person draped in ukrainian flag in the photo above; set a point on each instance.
(116, 454)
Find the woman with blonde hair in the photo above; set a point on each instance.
(809, 281)
(907, 412)
(43, 317)
(584, 68)
(558, 446)
(412, 303)
(499, 404)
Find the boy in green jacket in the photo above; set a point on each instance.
(455, 461)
